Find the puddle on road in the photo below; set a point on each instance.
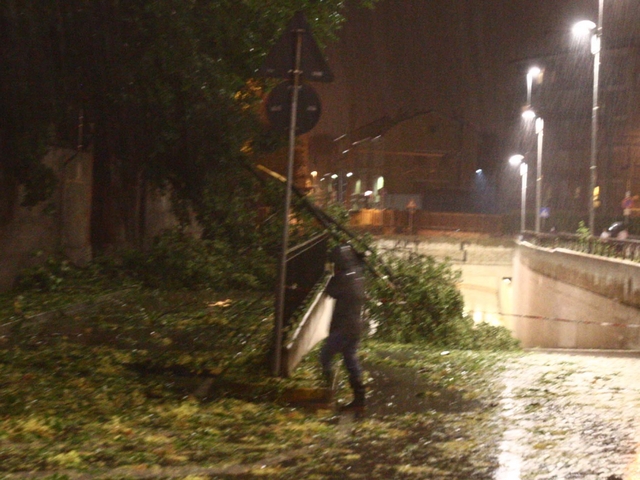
(398, 390)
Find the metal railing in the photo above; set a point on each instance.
(305, 268)
(628, 249)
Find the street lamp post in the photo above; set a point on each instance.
(534, 72)
(540, 134)
(529, 114)
(596, 35)
(593, 177)
(516, 160)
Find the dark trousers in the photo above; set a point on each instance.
(348, 346)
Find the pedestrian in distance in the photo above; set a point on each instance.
(347, 287)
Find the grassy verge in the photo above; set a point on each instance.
(142, 383)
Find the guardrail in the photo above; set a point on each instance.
(628, 249)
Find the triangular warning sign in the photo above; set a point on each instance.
(280, 60)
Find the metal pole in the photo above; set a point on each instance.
(593, 181)
(287, 207)
(523, 199)
(540, 133)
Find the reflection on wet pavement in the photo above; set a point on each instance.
(510, 456)
(569, 416)
(396, 390)
(546, 416)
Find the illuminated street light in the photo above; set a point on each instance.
(528, 113)
(580, 28)
(516, 160)
(583, 28)
(314, 183)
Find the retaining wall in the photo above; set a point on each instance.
(567, 299)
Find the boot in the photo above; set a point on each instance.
(359, 394)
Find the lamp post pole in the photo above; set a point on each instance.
(529, 114)
(534, 72)
(524, 168)
(593, 166)
(518, 160)
(540, 134)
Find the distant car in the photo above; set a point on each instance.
(617, 230)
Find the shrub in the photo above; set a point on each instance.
(484, 336)
(177, 260)
(48, 276)
(427, 307)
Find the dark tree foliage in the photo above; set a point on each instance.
(25, 101)
(165, 88)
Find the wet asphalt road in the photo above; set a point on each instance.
(564, 414)
(570, 415)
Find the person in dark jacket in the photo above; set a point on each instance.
(347, 287)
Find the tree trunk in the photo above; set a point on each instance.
(106, 227)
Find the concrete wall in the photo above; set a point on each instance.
(562, 297)
(61, 224)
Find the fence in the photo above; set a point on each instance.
(306, 312)
(402, 221)
(311, 329)
(305, 268)
(606, 247)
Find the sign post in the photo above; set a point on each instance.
(292, 63)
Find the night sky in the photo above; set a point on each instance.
(459, 57)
